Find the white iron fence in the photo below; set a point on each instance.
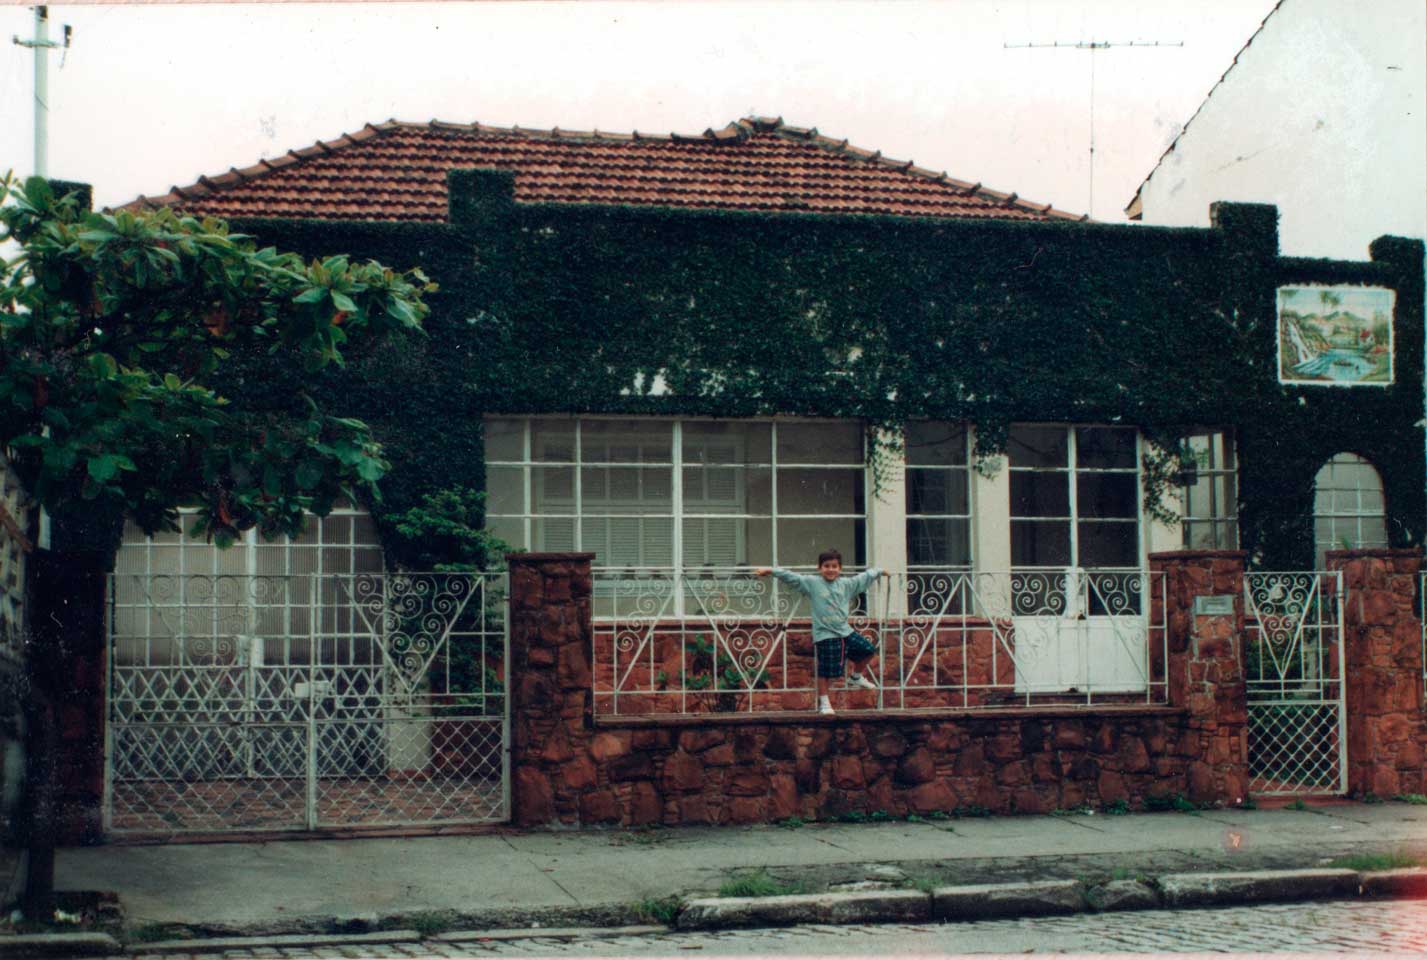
(724, 640)
(294, 702)
(1293, 674)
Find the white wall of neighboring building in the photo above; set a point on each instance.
(1322, 115)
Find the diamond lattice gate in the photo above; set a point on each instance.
(1293, 670)
(255, 703)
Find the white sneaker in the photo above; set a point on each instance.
(824, 705)
(861, 681)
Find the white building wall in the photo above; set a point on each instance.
(1322, 115)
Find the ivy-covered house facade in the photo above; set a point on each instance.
(676, 359)
(731, 349)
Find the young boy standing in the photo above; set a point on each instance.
(833, 638)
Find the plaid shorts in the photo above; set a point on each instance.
(831, 653)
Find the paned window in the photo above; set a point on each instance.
(1209, 492)
(1075, 497)
(748, 493)
(1348, 509)
(938, 495)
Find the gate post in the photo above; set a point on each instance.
(1205, 670)
(1383, 670)
(551, 639)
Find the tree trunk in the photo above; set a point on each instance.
(38, 810)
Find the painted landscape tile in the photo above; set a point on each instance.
(1336, 336)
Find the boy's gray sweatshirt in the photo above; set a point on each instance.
(830, 599)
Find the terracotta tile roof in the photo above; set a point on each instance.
(397, 171)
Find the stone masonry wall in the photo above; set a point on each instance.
(1383, 670)
(568, 769)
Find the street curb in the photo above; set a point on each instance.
(281, 940)
(59, 945)
(1007, 900)
(1409, 883)
(882, 906)
(1258, 886)
(532, 933)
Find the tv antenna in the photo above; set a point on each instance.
(1093, 46)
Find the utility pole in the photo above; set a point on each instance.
(41, 45)
(1092, 46)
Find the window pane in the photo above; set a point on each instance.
(1040, 543)
(1105, 447)
(819, 491)
(553, 534)
(626, 489)
(626, 441)
(552, 440)
(552, 487)
(727, 442)
(939, 543)
(935, 443)
(800, 541)
(505, 489)
(629, 541)
(510, 530)
(727, 542)
(937, 491)
(1108, 544)
(1038, 446)
(1107, 495)
(728, 490)
(1040, 494)
(831, 443)
(504, 439)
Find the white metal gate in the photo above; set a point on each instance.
(253, 703)
(1293, 670)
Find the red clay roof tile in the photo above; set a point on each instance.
(397, 171)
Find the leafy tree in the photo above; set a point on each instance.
(116, 331)
(112, 327)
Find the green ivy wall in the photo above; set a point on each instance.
(565, 308)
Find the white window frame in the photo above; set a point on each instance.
(1352, 517)
(1221, 516)
(971, 504)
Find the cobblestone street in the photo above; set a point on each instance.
(1327, 927)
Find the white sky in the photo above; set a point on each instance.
(152, 96)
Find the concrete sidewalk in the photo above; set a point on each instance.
(518, 878)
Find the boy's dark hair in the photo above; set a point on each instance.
(829, 554)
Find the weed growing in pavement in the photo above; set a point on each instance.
(1371, 798)
(147, 933)
(852, 816)
(1249, 803)
(938, 815)
(1177, 801)
(1376, 861)
(972, 810)
(428, 923)
(923, 884)
(1297, 804)
(1416, 798)
(659, 909)
(759, 884)
(1117, 809)
(880, 816)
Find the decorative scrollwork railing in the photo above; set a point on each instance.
(708, 641)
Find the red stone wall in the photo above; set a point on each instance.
(569, 768)
(1383, 649)
(1206, 670)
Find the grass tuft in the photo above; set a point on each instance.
(428, 923)
(1416, 798)
(1376, 861)
(758, 884)
(659, 909)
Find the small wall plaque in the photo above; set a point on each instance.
(1214, 606)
